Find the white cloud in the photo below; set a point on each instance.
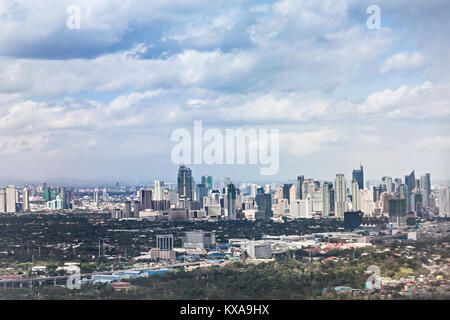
(402, 60)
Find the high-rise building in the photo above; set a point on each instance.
(358, 176)
(96, 196)
(287, 191)
(340, 196)
(127, 209)
(425, 184)
(326, 199)
(26, 199)
(300, 180)
(185, 183)
(376, 194)
(208, 181)
(410, 182)
(2, 201)
(201, 192)
(230, 204)
(145, 199)
(444, 203)
(355, 196)
(387, 182)
(309, 188)
(397, 211)
(159, 190)
(11, 199)
(264, 202)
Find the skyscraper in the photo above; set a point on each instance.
(410, 181)
(358, 176)
(185, 183)
(397, 211)
(26, 200)
(159, 190)
(145, 199)
(264, 202)
(444, 202)
(387, 182)
(287, 191)
(425, 184)
(230, 204)
(11, 199)
(127, 210)
(326, 199)
(2, 201)
(300, 180)
(208, 181)
(340, 196)
(355, 196)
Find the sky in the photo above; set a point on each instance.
(102, 101)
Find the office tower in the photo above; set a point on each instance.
(127, 210)
(397, 211)
(355, 196)
(376, 194)
(2, 201)
(397, 183)
(199, 240)
(105, 195)
(136, 209)
(201, 192)
(410, 181)
(326, 199)
(208, 181)
(96, 196)
(309, 188)
(145, 199)
(63, 197)
(340, 196)
(444, 203)
(332, 202)
(164, 242)
(287, 191)
(358, 176)
(264, 203)
(402, 191)
(159, 190)
(185, 183)
(352, 220)
(425, 184)
(26, 200)
(387, 182)
(293, 193)
(230, 204)
(11, 199)
(300, 180)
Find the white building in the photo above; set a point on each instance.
(11, 199)
(444, 202)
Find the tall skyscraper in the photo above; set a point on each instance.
(230, 204)
(340, 196)
(425, 184)
(2, 201)
(387, 182)
(444, 203)
(96, 196)
(287, 191)
(355, 196)
(264, 202)
(326, 199)
(397, 211)
(410, 181)
(185, 183)
(145, 199)
(11, 199)
(159, 190)
(358, 176)
(300, 180)
(26, 199)
(208, 181)
(127, 209)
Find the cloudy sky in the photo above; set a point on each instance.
(102, 101)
